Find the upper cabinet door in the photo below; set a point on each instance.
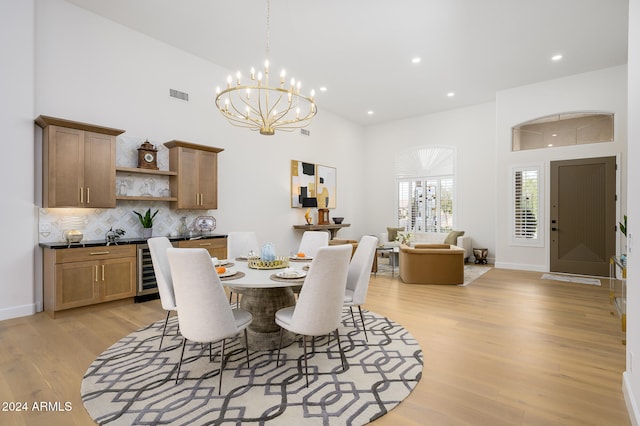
(99, 170)
(208, 179)
(63, 161)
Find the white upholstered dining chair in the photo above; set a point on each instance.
(359, 276)
(319, 306)
(158, 249)
(239, 244)
(311, 241)
(204, 314)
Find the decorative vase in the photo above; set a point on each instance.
(147, 233)
(268, 253)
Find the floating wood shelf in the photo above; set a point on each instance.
(146, 171)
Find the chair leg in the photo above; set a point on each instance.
(352, 317)
(363, 326)
(342, 357)
(210, 354)
(221, 366)
(164, 330)
(279, 347)
(306, 371)
(184, 343)
(231, 296)
(246, 345)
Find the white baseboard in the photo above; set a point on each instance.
(521, 267)
(629, 399)
(17, 311)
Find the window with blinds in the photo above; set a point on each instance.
(426, 204)
(426, 190)
(526, 205)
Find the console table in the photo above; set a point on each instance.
(333, 229)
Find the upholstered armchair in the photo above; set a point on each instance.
(431, 264)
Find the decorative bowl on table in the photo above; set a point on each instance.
(338, 220)
(277, 263)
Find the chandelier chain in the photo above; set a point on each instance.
(256, 105)
(268, 27)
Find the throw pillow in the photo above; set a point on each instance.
(452, 237)
(393, 233)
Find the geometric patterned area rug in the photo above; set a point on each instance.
(473, 272)
(571, 279)
(133, 383)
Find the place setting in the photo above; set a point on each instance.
(289, 275)
(224, 270)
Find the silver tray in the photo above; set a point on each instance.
(205, 223)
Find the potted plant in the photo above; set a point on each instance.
(146, 221)
(623, 228)
(623, 225)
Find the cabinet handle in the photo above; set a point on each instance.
(96, 273)
(197, 199)
(88, 197)
(205, 244)
(81, 195)
(201, 199)
(95, 253)
(102, 272)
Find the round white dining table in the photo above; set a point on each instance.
(263, 296)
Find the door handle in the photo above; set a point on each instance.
(554, 229)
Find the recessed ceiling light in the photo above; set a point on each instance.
(554, 134)
(550, 145)
(323, 89)
(370, 112)
(451, 94)
(556, 57)
(416, 60)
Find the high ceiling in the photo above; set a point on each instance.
(362, 50)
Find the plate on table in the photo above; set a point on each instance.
(300, 258)
(291, 274)
(227, 273)
(220, 262)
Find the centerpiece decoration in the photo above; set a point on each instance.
(268, 259)
(404, 237)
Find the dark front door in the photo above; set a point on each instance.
(583, 208)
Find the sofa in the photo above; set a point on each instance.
(458, 237)
(431, 264)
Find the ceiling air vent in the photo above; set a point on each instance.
(305, 132)
(179, 95)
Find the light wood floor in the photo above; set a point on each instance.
(509, 349)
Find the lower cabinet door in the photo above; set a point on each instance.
(77, 284)
(117, 278)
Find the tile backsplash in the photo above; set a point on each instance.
(94, 223)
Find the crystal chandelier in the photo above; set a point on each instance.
(258, 106)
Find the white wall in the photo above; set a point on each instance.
(93, 70)
(631, 377)
(471, 131)
(17, 286)
(600, 91)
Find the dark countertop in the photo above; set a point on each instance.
(122, 241)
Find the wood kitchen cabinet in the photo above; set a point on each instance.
(79, 164)
(76, 277)
(196, 182)
(217, 247)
